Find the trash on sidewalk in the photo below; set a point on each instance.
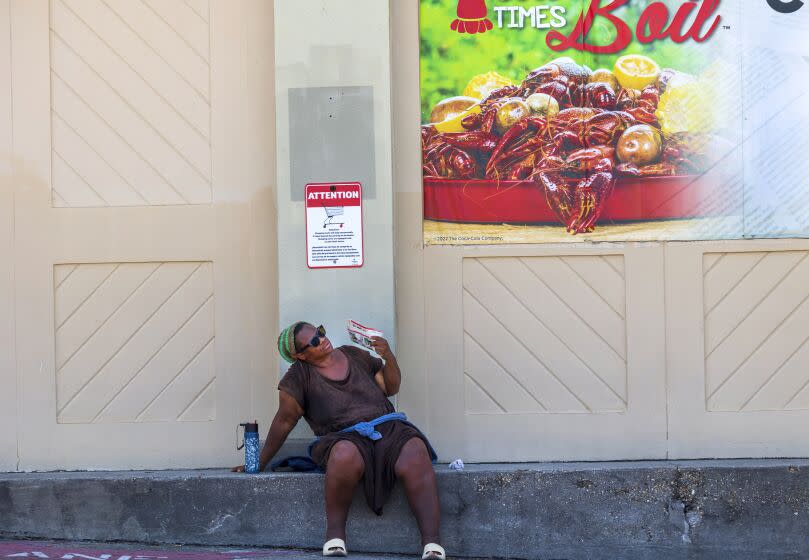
(456, 465)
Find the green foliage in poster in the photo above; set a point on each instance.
(449, 59)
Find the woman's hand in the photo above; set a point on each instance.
(391, 376)
(240, 468)
(381, 347)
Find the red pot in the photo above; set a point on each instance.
(633, 199)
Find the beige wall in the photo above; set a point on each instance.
(141, 198)
(409, 264)
(737, 355)
(338, 53)
(8, 377)
(117, 197)
(593, 351)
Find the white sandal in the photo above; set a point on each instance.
(432, 550)
(335, 547)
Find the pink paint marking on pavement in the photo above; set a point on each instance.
(37, 550)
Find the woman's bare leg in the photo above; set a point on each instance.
(415, 470)
(343, 471)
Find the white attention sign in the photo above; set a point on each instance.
(334, 225)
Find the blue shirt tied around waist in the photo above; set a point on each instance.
(368, 429)
(365, 429)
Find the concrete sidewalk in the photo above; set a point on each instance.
(740, 509)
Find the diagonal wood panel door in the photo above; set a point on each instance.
(738, 348)
(141, 341)
(143, 289)
(755, 334)
(549, 355)
(534, 327)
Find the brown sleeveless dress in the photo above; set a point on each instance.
(329, 406)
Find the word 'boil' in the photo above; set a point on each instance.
(653, 24)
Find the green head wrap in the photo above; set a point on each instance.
(286, 341)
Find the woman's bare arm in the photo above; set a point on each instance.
(389, 378)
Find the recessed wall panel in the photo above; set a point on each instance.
(544, 334)
(756, 337)
(130, 103)
(134, 342)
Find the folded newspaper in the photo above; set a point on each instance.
(361, 334)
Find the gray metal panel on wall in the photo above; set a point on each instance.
(331, 137)
(325, 51)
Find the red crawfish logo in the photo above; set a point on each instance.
(471, 17)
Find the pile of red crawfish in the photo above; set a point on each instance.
(570, 154)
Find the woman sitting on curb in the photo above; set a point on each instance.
(343, 395)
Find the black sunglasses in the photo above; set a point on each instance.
(320, 333)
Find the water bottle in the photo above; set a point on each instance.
(250, 445)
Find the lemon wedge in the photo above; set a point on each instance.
(635, 71)
(686, 107)
(483, 84)
(454, 124)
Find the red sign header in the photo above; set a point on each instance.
(333, 194)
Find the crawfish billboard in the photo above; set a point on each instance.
(622, 120)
